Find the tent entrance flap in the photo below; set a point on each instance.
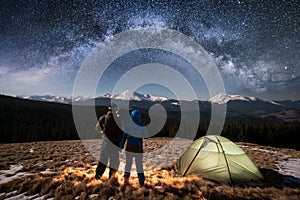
(204, 143)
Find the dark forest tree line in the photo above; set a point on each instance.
(280, 134)
(27, 121)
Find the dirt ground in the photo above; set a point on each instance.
(66, 170)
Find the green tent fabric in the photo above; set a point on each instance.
(217, 158)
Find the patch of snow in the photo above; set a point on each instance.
(253, 98)
(20, 196)
(13, 169)
(39, 198)
(289, 167)
(106, 95)
(11, 174)
(245, 146)
(274, 102)
(8, 194)
(47, 171)
(5, 179)
(286, 156)
(263, 150)
(93, 195)
(23, 196)
(31, 150)
(77, 99)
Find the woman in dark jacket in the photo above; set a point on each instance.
(134, 133)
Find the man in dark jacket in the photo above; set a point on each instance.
(111, 139)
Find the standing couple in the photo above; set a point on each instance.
(114, 139)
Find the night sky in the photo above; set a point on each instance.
(256, 44)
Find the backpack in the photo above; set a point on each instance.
(110, 127)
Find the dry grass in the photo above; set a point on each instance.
(65, 170)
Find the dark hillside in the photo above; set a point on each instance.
(26, 120)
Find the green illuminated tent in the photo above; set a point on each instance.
(217, 158)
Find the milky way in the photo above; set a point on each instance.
(256, 45)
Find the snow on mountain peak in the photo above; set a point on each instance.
(106, 95)
(125, 95)
(225, 98)
(128, 95)
(157, 98)
(50, 98)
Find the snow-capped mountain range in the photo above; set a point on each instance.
(53, 98)
(128, 95)
(225, 98)
(237, 105)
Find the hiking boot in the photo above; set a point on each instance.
(111, 173)
(142, 179)
(100, 170)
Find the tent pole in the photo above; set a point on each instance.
(187, 169)
(226, 161)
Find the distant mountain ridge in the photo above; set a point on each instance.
(134, 96)
(128, 95)
(225, 98)
(125, 95)
(237, 106)
(53, 98)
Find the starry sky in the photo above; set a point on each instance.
(255, 44)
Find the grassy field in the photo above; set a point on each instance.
(66, 169)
